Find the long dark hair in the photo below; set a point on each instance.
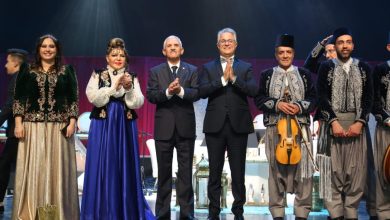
(118, 43)
(57, 59)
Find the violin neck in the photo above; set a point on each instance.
(289, 133)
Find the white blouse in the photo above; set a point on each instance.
(100, 97)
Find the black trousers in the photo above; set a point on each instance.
(235, 144)
(7, 157)
(184, 190)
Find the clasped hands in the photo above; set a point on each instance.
(228, 74)
(174, 87)
(124, 81)
(288, 108)
(353, 131)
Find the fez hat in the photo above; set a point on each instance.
(284, 40)
(340, 32)
(331, 40)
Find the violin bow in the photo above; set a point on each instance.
(306, 143)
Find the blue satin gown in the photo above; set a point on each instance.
(112, 184)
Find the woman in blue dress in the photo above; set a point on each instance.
(112, 184)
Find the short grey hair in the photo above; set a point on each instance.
(175, 37)
(227, 30)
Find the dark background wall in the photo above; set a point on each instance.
(84, 26)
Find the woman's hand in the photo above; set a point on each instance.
(19, 129)
(127, 81)
(118, 84)
(71, 129)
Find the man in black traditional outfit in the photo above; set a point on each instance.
(345, 101)
(274, 82)
(381, 110)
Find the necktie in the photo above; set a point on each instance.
(224, 60)
(174, 69)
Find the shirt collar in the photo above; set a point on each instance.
(113, 71)
(232, 57)
(171, 65)
(347, 65)
(280, 69)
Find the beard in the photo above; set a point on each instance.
(343, 56)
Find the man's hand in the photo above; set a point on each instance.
(355, 129)
(228, 70)
(288, 108)
(232, 76)
(337, 129)
(323, 42)
(174, 87)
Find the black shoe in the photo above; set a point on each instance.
(213, 218)
(300, 218)
(373, 217)
(238, 217)
(278, 218)
(1, 209)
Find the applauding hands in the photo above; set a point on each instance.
(125, 81)
(174, 87)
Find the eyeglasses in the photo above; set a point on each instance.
(230, 41)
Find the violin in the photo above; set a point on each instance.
(287, 150)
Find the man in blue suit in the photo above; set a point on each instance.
(227, 82)
(173, 87)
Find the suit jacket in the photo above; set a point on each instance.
(175, 112)
(230, 100)
(6, 110)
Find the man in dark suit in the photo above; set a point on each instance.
(173, 87)
(227, 82)
(15, 58)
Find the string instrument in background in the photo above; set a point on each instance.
(287, 150)
(386, 165)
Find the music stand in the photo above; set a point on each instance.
(143, 135)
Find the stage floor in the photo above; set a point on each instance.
(251, 212)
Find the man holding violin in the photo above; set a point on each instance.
(286, 97)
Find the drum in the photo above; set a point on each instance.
(386, 165)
